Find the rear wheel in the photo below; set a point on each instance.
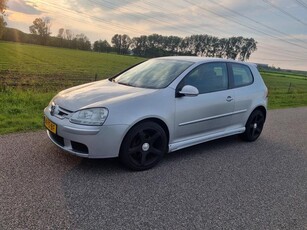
(144, 146)
(254, 126)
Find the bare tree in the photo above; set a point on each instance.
(41, 28)
(121, 43)
(69, 34)
(61, 33)
(2, 22)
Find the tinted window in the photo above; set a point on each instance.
(241, 75)
(153, 73)
(208, 77)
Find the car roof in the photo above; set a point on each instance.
(200, 60)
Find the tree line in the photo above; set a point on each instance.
(154, 45)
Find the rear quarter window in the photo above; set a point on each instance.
(242, 75)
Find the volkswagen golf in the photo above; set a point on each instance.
(158, 106)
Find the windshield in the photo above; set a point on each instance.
(154, 73)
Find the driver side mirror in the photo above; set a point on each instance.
(188, 90)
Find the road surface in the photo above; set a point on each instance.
(223, 184)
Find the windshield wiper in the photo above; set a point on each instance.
(127, 84)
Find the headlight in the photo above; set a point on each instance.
(94, 116)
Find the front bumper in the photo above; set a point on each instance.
(87, 141)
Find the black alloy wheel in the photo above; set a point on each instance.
(254, 126)
(144, 146)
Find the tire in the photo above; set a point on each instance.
(254, 126)
(143, 146)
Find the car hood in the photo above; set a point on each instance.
(97, 94)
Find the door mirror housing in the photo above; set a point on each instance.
(188, 90)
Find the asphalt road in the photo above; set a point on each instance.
(223, 184)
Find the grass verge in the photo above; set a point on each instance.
(285, 91)
(22, 110)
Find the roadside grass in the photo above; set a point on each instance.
(30, 75)
(286, 90)
(22, 110)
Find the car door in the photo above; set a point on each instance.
(211, 110)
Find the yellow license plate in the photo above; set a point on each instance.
(50, 125)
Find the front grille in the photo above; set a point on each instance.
(62, 113)
(78, 147)
(59, 112)
(57, 139)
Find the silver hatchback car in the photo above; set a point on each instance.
(159, 106)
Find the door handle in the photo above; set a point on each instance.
(229, 99)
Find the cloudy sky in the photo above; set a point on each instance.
(279, 26)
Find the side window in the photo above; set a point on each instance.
(208, 77)
(242, 75)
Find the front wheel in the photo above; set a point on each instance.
(144, 146)
(254, 126)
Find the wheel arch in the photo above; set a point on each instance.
(262, 109)
(156, 120)
(152, 119)
(252, 132)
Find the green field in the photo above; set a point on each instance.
(46, 68)
(285, 90)
(30, 75)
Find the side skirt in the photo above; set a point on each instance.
(200, 139)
